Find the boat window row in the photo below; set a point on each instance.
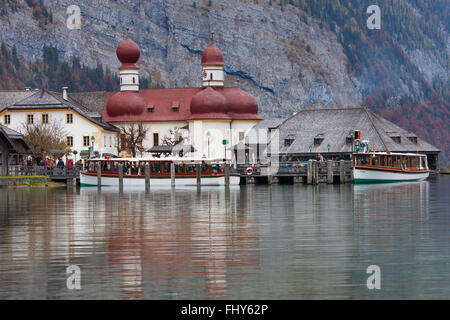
(156, 167)
(390, 161)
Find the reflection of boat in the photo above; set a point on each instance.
(212, 172)
(382, 167)
(387, 186)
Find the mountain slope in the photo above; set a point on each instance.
(289, 54)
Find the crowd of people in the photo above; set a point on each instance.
(49, 163)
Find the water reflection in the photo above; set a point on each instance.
(279, 241)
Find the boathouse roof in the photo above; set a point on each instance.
(331, 131)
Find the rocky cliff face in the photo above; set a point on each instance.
(284, 62)
(286, 57)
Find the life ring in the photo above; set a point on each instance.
(249, 171)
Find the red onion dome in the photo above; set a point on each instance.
(125, 102)
(240, 102)
(209, 104)
(212, 56)
(128, 51)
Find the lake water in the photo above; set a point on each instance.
(253, 242)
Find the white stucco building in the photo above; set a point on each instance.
(82, 129)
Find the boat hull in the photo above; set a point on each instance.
(382, 176)
(90, 180)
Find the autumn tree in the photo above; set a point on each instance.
(132, 138)
(45, 137)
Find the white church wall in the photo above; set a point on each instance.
(207, 137)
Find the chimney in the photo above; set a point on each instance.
(64, 89)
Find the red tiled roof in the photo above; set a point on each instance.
(212, 56)
(162, 102)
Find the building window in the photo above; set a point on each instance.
(211, 76)
(413, 139)
(69, 118)
(241, 135)
(110, 141)
(288, 142)
(30, 119)
(123, 141)
(319, 139)
(175, 109)
(149, 109)
(134, 80)
(397, 139)
(45, 118)
(70, 141)
(86, 141)
(155, 139)
(7, 119)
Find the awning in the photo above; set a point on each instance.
(171, 149)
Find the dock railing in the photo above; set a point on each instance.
(56, 172)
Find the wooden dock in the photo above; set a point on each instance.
(310, 172)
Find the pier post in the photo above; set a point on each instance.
(99, 174)
(227, 174)
(120, 176)
(315, 173)
(147, 176)
(198, 170)
(341, 172)
(309, 172)
(172, 174)
(330, 171)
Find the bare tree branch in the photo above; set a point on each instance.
(45, 137)
(132, 138)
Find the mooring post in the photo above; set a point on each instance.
(147, 176)
(341, 171)
(121, 176)
(99, 174)
(309, 172)
(227, 174)
(330, 171)
(317, 173)
(198, 171)
(172, 174)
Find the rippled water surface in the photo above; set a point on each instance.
(253, 242)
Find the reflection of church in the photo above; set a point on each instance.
(204, 117)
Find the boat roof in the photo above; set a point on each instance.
(175, 159)
(392, 154)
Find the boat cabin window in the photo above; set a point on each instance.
(154, 166)
(179, 168)
(374, 160)
(362, 159)
(190, 168)
(166, 167)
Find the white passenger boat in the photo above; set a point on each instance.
(212, 172)
(386, 167)
(381, 167)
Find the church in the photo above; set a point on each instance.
(204, 122)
